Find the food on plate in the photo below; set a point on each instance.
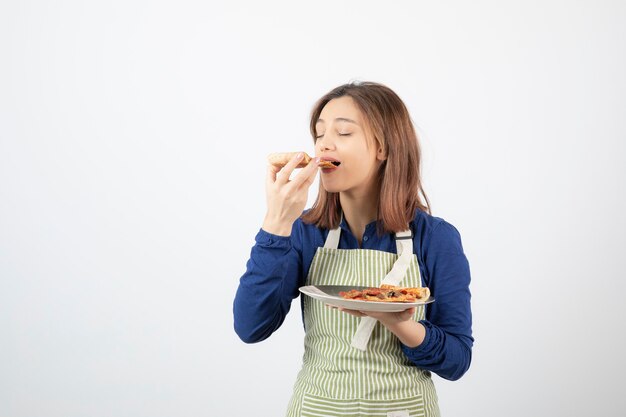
(388, 294)
(280, 159)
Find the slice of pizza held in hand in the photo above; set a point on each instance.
(280, 159)
(388, 293)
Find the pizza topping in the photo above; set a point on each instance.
(327, 163)
(388, 293)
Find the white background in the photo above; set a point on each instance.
(133, 137)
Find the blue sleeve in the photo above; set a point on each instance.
(447, 347)
(268, 286)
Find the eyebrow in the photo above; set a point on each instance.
(338, 119)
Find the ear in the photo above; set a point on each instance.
(380, 153)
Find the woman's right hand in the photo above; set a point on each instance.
(286, 198)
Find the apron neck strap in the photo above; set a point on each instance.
(404, 242)
(332, 241)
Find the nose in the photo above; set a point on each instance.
(325, 143)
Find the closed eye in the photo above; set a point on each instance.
(338, 134)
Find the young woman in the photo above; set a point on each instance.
(371, 214)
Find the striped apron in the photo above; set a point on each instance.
(338, 379)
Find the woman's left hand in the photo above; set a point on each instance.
(386, 318)
(410, 332)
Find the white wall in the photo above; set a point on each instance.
(132, 144)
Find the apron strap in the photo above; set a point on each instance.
(404, 243)
(332, 240)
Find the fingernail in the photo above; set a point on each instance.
(317, 160)
(300, 155)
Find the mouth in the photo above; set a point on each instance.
(328, 163)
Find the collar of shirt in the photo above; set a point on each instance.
(370, 228)
(371, 239)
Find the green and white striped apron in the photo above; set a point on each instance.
(374, 378)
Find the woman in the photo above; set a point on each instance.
(371, 212)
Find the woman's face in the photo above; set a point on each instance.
(342, 137)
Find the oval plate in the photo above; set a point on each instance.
(329, 294)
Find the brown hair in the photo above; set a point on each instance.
(389, 123)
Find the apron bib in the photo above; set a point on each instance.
(345, 371)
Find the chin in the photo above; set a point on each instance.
(331, 188)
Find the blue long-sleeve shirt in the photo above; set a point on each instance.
(279, 265)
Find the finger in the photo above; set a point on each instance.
(406, 314)
(352, 312)
(284, 174)
(307, 175)
(271, 174)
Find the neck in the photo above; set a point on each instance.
(359, 211)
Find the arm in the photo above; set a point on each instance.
(447, 343)
(267, 288)
(441, 343)
(273, 273)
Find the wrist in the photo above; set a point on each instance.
(276, 227)
(410, 333)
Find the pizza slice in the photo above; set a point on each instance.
(280, 159)
(388, 293)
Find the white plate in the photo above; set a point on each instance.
(329, 294)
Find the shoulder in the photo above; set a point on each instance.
(434, 233)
